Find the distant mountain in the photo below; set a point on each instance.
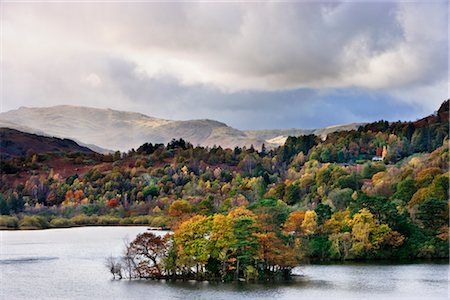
(101, 129)
(279, 136)
(8, 124)
(18, 143)
(119, 130)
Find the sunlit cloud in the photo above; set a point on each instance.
(164, 59)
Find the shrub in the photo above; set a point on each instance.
(108, 220)
(9, 222)
(141, 220)
(37, 222)
(160, 221)
(60, 222)
(126, 221)
(84, 220)
(90, 209)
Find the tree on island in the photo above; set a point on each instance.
(220, 247)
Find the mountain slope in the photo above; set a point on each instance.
(18, 143)
(112, 129)
(120, 130)
(105, 128)
(9, 124)
(279, 136)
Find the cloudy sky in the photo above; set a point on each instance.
(251, 65)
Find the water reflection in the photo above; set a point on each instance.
(69, 264)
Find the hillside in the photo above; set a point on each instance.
(314, 199)
(102, 129)
(16, 143)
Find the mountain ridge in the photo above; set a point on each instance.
(106, 130)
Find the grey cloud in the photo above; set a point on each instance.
(255, 46)
(243, 63)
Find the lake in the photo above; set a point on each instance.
(70, 264)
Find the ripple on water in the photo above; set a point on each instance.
(25, 260)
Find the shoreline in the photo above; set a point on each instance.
(32, 228)
(440, 260)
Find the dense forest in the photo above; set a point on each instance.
(379, 192)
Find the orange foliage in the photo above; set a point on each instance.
(394, 239)
(179, 207)
(442, 233)
(274, 252)
(240, 212)
(426, 176)
(294, 222)
(113, 203)
(78, 195)
(180, 211)
(69, 196)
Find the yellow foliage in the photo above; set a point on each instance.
(306, 181)
(415, 162)
(418, 197)
(309, 224)
(207, 186)
(337, 221)
(156, 210)
(377, 178)
(225, 188)
(367, 234)
(427, 175)
(185, 170)
(384, 153)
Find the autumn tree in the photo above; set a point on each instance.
(222, 239)
(179, 210)
(192, 240)
(294, 222)
(309, 224)
(147, 250)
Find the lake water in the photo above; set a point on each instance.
(69, 264)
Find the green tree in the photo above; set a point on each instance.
(439, 188)
(206, 206)
(340, 198)
(405, 190)
(370, 169)
(323, 212)
(292, 194)
(245, 245)
(433, 214)
(352, 181)
(4, 209)
(151, 190)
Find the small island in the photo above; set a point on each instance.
(227, 247)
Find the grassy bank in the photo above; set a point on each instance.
(30, 222)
